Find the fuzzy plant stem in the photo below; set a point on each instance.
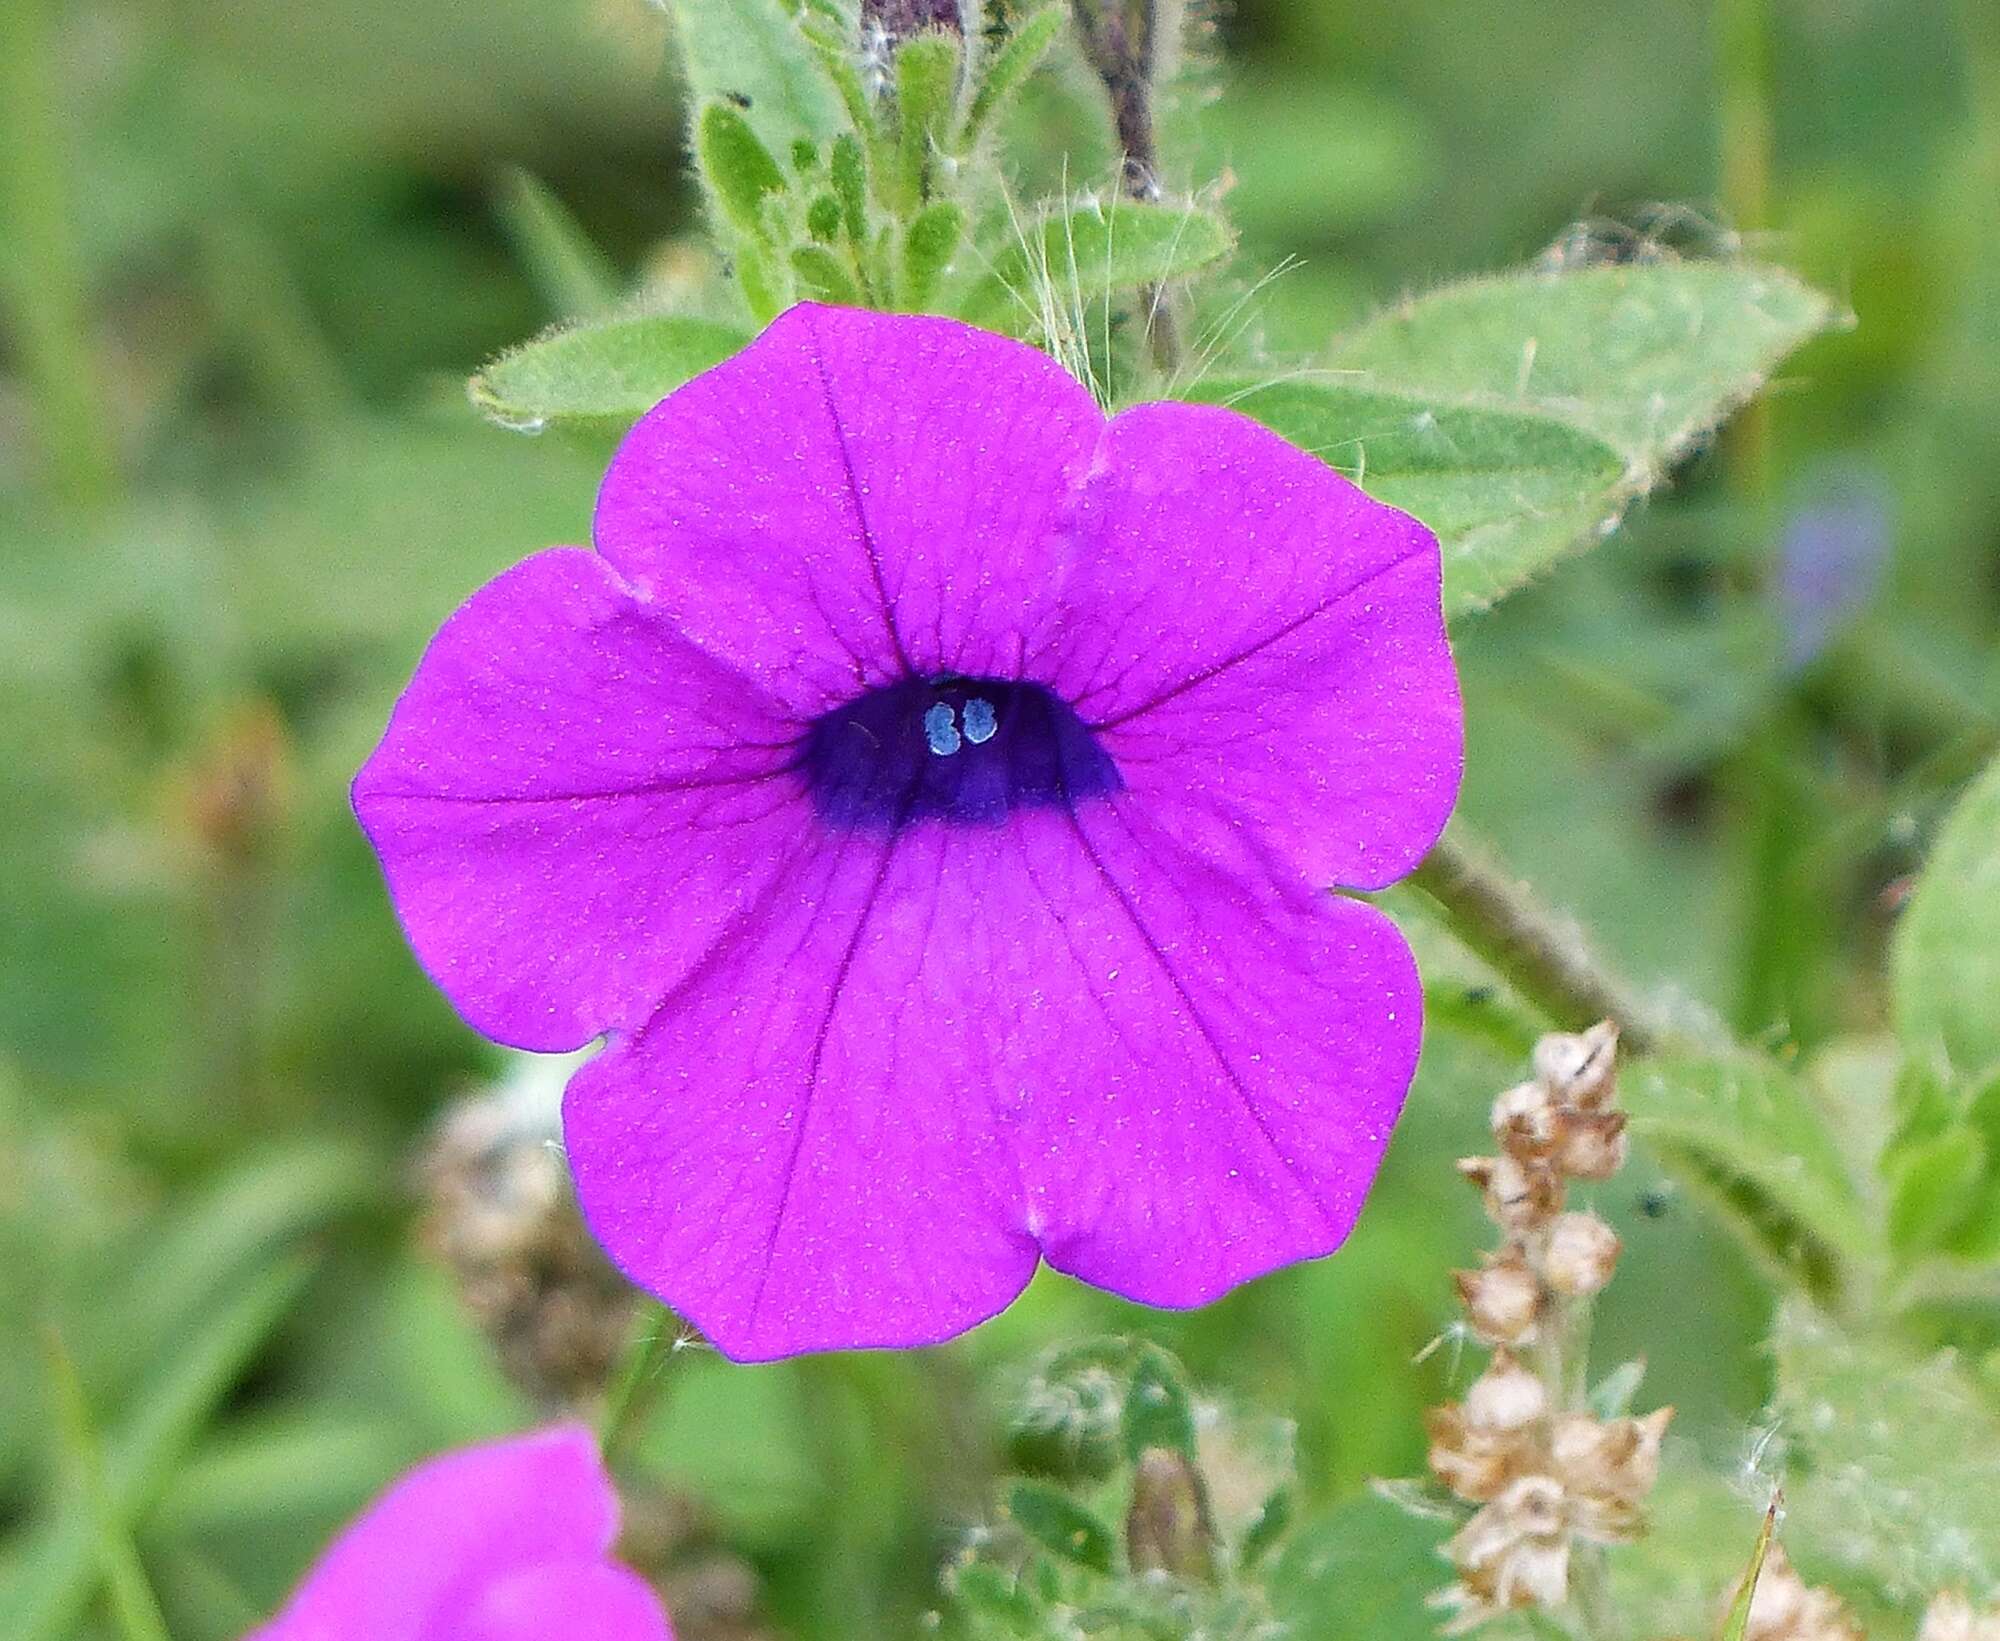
(1120, 40)
(1563, 1362)
(42, 282)
(1542, 955)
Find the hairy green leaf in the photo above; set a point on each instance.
(752, 53)
(1007, 70)
(926, 87)
(1067, 263)
(1647, 357)
(822, 276)
(738, 168)
(1507, 492)
(1060, 1525)
(1900, 1478)
(1947, 951)
(1936, 1184)
(929, 242)
(605, 374)
(1748, 1130)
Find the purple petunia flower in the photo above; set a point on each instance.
(929, 787)
(510, 1541)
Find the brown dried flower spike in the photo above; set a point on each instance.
(1552, 1480)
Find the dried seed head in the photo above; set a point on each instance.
(1786, 1608)
(1610, 1458)
(1580, 1070)
(1506, 1396)
(1952, 1618)
(1513, 1553)
(1520, 1198)
(1590, 1144)
(501, 1218)
(1503, 1299)
(1524, 1121)
(1581, 1254)
(1475, 1464)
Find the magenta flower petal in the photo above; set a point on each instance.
(1247, 626)
(856, 497)
(570, 801)
(931, 792)
(594, 1599)
(803, 1147)
(465, 1540)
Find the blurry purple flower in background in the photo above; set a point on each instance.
(510, 1541)
(1830, 559)
(931, 788)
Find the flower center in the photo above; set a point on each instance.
(953, 749)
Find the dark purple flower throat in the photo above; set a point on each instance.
(967, 750)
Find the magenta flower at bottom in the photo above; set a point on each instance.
(931, 788)
(506, 1542)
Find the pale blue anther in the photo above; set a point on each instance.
(940, 731)
(980, 722)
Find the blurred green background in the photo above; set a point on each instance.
(251, 250)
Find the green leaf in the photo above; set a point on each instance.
(1946, 959)
(1007, 70)
(606, 374)
(574, 277)
(1060, 1525)
(1159, 1408)
(823, 277)
(1068, 262)
(847, 167)
(1900, 1472)
(1362, 1571)
(45, 1586)
(1937, 1183)
(1748, 1131)
(1506, 492)
(929, 242)
(926, 87)
(1268, 1529)
(738, 168)
(1646, 357)
(752, 53)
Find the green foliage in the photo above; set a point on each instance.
(604, 375)
(1748, 1132)
(1519, 417)
(738, 168)
(1947, 949)
(1363, 1571)
(1006, 71)
(1060, 1525)
(575, 278)
(751, 54)
(927, 73)
(1506, 492)
(1648, 358)
(1068, 261)
(929, 242)
(1896, 1459)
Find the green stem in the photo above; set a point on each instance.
(635, 1394)
(1545, 959)
(43, 274)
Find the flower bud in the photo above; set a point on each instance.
(1590, 1144)
(1579, 1070)
(1167, 1528)
(1514, 1553)
(1474, 1464)
(1506, 1396)
(1581, 1254)
(1503, 1299)
(1611, 1458)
